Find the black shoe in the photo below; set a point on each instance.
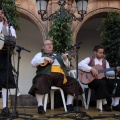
(5, 112)
(107, 108)
(116, 108)
(70, 108)
(41, 110)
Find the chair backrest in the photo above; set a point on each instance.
(73, 74)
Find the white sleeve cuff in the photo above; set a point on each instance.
(12, 31)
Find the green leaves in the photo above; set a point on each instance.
(12, 12)
(61, 33)
(111, 37)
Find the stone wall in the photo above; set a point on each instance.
(28, 8)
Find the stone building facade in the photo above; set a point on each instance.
(28, 9)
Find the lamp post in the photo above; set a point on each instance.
(43, 4)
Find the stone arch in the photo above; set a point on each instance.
(32, 18)
(91, 15)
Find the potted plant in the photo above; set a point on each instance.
(11, 12)
(61, 33)
(111, 37)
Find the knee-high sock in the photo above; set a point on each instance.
(39, 99)
(4, 96)
(116, 101)
(70, 99)
(104, 101)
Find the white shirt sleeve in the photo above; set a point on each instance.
(109, 73)
(83, 65)
(12, 31)
(37, 60)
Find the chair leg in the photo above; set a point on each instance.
(63, 99)
(88, 98)
(45, 101)
(52, 99)
(112, 101)
(99, 104)
(84, 100)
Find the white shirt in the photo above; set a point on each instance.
(12, 30)
(38, 59)
(83, 65)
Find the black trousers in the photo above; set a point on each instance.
(3, 72)
(104, 88)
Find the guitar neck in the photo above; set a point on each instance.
(105, 70)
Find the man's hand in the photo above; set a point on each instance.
(48, 59)
(64, 56)
(94, 72)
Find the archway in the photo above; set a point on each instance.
(87, 32)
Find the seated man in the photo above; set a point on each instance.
(51, 71)
(103, 87)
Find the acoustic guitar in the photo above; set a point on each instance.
(87, 77)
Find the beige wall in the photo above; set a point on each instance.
(89, 36)
(30, 38)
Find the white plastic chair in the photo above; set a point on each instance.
(86, 103)
(99, 102)
(99, 105)
(53, 88)
(72, 73)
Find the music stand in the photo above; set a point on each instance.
(15, 113)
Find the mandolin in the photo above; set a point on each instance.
(70, 52)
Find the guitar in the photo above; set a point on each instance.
(87, 77)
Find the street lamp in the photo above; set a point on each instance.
(43, 4)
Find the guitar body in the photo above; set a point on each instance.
(87, 77)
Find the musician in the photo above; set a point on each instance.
(4, 29)
(104, 87)
(53, 73)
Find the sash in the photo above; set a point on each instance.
(59, 70)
